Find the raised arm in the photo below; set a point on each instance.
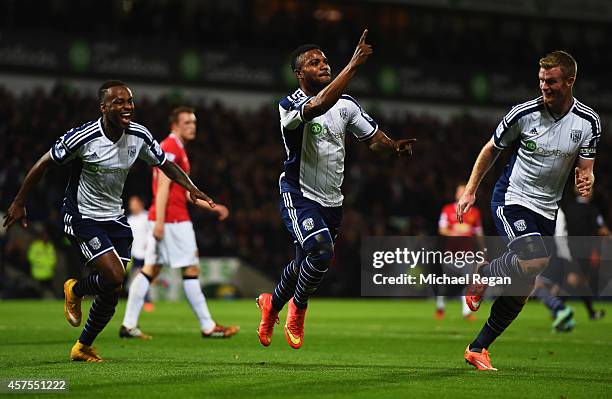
(381, 143)
(177, 175)
(327, 97)
(483, 163)
(17, 210)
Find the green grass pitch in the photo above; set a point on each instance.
(357, 348)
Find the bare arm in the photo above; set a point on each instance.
(327, 97)
(584, 177)
(17, 210)
(161, 203)
(220, 210)
(177, 175)
(483, 163)
(381, 143)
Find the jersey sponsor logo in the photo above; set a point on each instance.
(131, 151)
(95, 243)
(93, 156)
(308, 224)
(575, 135)
(98, 169)
(520, 225)
(532, 132)
(531, 146)
(316, 128)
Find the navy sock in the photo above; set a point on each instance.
(506, 265)
(90, 285)
(503, 312)
(308, 281)
(286, 287)
(101, 312)
(553, 303)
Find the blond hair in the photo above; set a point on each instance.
(561, 59)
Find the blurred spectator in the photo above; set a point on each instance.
(447, 36)
(43, 260)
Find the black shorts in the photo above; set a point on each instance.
(92, 238)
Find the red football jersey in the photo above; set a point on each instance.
(471, 221)
(470, 227)
(176, 210)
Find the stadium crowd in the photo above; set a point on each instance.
(237, 158)
(434, 35)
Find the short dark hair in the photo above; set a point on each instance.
(174, 115)
(296, 61)
(107, 85)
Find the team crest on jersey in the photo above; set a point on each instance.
(343, 113)
(520, 225)
(576, 135)
(308, 224)
(131, 151)
(95, 243)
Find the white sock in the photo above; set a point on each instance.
(440, 302)
(136, 297)
(193, 292)
(466, 309)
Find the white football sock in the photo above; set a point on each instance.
(193, 292)
(440, 302)
(136, 297)
(466, 309)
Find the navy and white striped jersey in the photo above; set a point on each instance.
(100, 167)
(315, 149)
(544, 153)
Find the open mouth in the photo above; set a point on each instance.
(125, 117)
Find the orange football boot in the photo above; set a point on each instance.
(72, 304)
(269, 316)
(480, 360)
(294, 326)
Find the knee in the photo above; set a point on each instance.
(191, 272)
(151, 271)
(533, 267)
(114, 278)
(532, 254)
(321, 253)
(530, 249)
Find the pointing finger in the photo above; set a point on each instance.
(363, 36)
